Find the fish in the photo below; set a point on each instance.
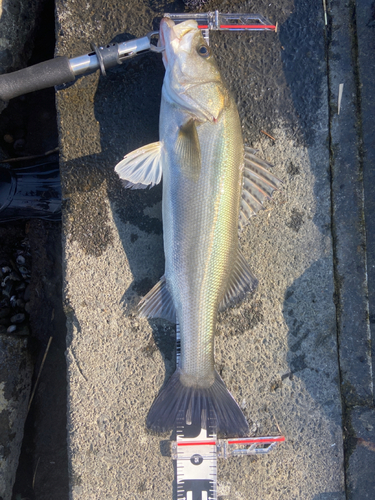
(212, 185)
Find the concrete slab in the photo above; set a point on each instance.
(277, 351)
(352, 197)
(365, 24)
(348, 212)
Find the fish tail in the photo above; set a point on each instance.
(175, 399)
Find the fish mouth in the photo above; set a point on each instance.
(171, 35)
(166, 25)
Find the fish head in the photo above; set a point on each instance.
(192, 80)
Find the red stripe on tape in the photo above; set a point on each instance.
(278, 439)
(196, 443)
(241, 26)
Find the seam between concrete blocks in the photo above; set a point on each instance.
(327, 35)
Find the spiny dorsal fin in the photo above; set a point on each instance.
(240, 283)
(158, 303)
(141, 168)
(258, 185)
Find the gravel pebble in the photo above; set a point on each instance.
(17, 318)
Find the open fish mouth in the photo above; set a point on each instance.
(172, 37)
(168, 28)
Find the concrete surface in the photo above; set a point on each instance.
(361, 467)
(365, 23)
(277, 351)
(348, 216)
(352, 163)
(360, 420)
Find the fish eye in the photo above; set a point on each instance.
(204, 51)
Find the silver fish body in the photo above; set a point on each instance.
(200, 225)
(202, 159)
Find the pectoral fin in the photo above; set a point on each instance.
(258, 185)
(188, 150)
(240, 283)
(158, 303)
(142, 167)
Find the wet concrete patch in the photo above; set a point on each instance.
(296, 220)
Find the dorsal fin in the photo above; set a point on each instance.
(258, 185)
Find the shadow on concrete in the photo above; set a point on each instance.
(127, 104)
(303, 56)
(139, 85)
(312, 355)
(313, 344)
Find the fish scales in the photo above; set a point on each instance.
(200, 233)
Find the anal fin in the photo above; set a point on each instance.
(241, 282)
(158, 303)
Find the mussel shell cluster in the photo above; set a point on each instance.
(15, 291)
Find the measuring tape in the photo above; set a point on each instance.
(197, 449)
(196, 454)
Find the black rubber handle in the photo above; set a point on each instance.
(40, 76)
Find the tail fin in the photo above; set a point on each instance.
(175, 397)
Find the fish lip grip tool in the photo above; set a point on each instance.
(217, 21)
(226, 22)
(61, 70)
